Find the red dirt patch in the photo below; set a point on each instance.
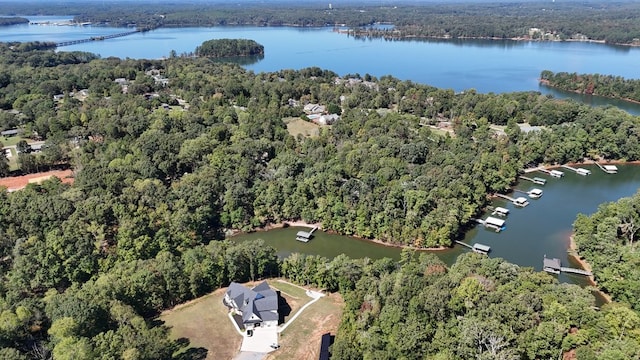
(19, 182)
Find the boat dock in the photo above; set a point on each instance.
(492, 223)
(533, 193)
(579, 171)
(305, 236)
(554, 266)
(553, 173)
(535, 180)
(520, 201)
(500, 211)
(477, 248)
(609, 169)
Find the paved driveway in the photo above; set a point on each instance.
(247, 355)
(261, 341)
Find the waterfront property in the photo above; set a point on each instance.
(257, 306)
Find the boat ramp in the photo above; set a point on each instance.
(554, 266)
(535, 180)
(520, 201)
(477, 248)
(609, 169)
(305, 236)
(553, 173)
(579, 171)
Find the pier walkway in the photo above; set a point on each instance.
(554, 266)
(521, 201)
(535, 180)
(554, 173)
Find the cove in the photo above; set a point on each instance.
(541, 228)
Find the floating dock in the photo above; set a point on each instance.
(553, 173)
(492, 223)
(305, 236)
(534, 193)
(579, 171)
(535, 180)
(554, 266)
(477, 248)
(520, 201)
(500, 211)
(609, 169)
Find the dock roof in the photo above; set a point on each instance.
(303, 234)
(502, 210)
(551, 263)
(481, 247)
(494, 221)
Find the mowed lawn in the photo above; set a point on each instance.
(301, 340)
(206, 326)
(204, 322)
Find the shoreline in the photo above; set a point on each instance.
(573, 254)
(300, 223)
(548, 84)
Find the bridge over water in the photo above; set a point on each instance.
(98, 38)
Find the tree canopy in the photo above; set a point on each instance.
(229, 47)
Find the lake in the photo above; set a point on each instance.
(541, 228)
(484, 65)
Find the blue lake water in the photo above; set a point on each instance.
(484, 65)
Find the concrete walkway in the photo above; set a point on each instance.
(312, 294)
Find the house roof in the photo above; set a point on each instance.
(10, 132)
(261, 301)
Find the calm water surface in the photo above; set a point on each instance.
(542, 228)
(484, 65)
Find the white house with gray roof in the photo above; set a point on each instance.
(257, 306)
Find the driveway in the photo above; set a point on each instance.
(261, 341)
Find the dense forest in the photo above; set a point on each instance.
(229, 47)
(480, 308)
(612, 22)
(607, 240)
(594, 84)
(169, 155)
(5, 21)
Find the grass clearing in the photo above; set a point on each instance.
(204, 322)
(11, 140)
(206, 326)
(296, 126)
(301, 340)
